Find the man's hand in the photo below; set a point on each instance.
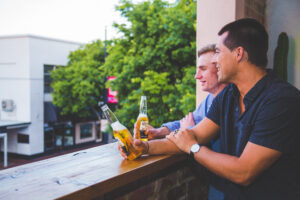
(122, 152)
(157, 133)
(138, 144)
(154, 133)
(183, 139)
(187, 121)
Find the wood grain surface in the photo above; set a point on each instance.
(84, 174)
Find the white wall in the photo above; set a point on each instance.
(283, 16)
(22, 60)
(14, 57)
(212, 15)
(14, 77)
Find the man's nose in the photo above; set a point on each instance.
(198, 74)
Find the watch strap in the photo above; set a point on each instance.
(191, 156)
(192, 153)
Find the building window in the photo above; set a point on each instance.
(47, 78)
(85, 132)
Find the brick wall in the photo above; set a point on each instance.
(256, 9)
(186, 181)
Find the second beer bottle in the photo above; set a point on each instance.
(142, 120)
(122, 134)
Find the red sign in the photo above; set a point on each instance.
(111, 95)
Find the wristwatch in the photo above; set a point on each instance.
(194, 149)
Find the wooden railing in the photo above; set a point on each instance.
(86, 174)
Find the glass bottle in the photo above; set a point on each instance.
(122, 134)
(142, 120)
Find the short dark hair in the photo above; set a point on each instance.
(252, 36)
(207, 48)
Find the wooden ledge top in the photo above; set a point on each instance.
(84, 174)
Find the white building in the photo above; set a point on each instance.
(23, 59)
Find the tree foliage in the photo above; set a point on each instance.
(156, 58)
(79, 86)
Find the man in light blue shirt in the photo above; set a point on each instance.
(207, 76)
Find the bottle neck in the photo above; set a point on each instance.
(143, 111)
(143, 105)
(109, 115)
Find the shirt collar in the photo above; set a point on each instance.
(257, 89)
(234, 90)
(253, 92)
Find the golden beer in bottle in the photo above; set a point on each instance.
(142, 120)
(122, 134)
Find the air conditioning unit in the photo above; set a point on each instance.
(8, 105)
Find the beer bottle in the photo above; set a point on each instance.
(122, 134)
(142, 120)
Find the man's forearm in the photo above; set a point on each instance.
(241, 170)
(221, 164)
(162, 146)
(163, 131)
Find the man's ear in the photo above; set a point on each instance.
(240, 54)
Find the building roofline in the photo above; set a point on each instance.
(38, 37)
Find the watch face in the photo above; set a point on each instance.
(195, 148)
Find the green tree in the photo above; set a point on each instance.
(155, 57)
(79, 86)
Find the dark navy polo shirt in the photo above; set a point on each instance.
(271, 119)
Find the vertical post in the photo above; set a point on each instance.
(5, 150)
(4, 136)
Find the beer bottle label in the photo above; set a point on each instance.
(143, 129)
(123, 146)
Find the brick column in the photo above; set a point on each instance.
(256, 9)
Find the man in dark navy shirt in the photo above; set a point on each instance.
(268, 127)
(258, 116)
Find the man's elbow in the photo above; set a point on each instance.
(244, 180)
